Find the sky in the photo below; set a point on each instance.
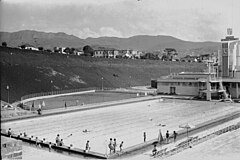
(191, 20)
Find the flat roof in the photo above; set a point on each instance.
(195, 73)
(178, 80)
(231, 80)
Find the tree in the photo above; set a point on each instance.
(56, 49)
(23, 46)
(4, 44)
(48, 50)
(40, 48)
(72, 51)
(88, 51)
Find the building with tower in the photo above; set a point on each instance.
(221, 81)
(229, 57)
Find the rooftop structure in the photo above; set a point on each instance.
(229, 58)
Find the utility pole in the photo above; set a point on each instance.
(8, 92)
(51, 86)
(102, 83)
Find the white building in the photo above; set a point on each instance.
(223, 82)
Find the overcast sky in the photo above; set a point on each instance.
(193, 20)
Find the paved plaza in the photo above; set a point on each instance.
(124, 122)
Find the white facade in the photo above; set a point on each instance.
(32, 48)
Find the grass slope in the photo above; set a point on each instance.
(28, 72)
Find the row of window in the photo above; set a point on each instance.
(194, 84)
(190, 84)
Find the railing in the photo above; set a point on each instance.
(194, 141)
(56, 92)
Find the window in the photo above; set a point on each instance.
(225, 45)
(233, 85)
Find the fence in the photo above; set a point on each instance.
(56, 93)
(194, 141)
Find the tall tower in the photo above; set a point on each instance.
(230, 63)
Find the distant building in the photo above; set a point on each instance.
(127, 53)
(61, 50)
(230, 57)
(169, 54)
(115, 53)
(98, 53)
(30, 47)
(80, 53)
(106, 53)
(189, 58)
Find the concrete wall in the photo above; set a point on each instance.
(180, 90)
(235, 91)
(56, 95)
(186, 90)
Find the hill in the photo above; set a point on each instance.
(41, 39)
(141, 42)
(28, 72)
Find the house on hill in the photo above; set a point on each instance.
(28, 47)
(189, 58)
(106, 53)
(169, 54)
(208, 57)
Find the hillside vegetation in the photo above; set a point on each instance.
(28, 72)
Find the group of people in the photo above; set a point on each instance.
(174, 135)
(113, 145)
(59, 142)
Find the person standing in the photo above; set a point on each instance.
(9, 132)
(33, 106)
(71, 146)
(38, 142)
(65, 105)
(174, 136)
(114, 145)
(39, 109)
(167, 136)
(144, 136)
(120, 146)
(49, 146)
(154, 151)
(61, 143)
(57, 140)
(87, 148)
(110, 145)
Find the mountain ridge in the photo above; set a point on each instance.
(138, 42)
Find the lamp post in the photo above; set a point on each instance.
(8, 92)
(102, 83)
(51, 86)
(130, 81)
